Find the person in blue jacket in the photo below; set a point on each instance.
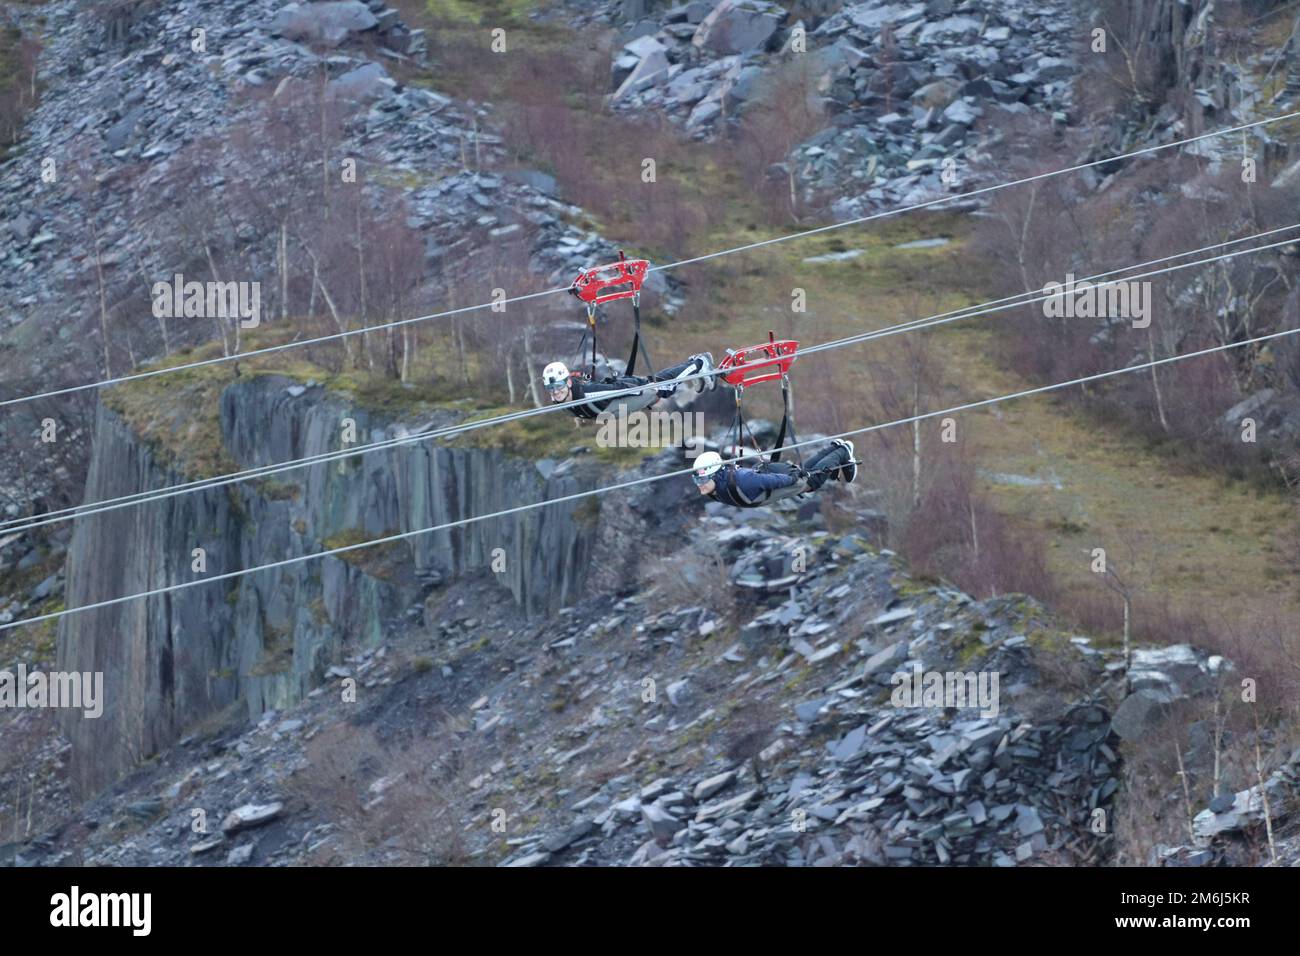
(753, 488)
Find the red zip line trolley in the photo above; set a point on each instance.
(763, 363)
(608, 283)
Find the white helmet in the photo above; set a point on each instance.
(706, 466)
(555, 376)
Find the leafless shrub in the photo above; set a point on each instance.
(1148, 811)
(18, 86)
(936, 517)
(751, 728)
(40, 474)
(693, 578)
(1263, 646)
(1131, 76)
(1068, 226)
(500, 352)
(119, 17)
(401, 799)
(549, 103)
(785, 110)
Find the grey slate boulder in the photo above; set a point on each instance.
(366, 82)
(565, 838)
(663, 825)
(1139, 714)
(329, 24)
(250, 815)
(1175, 670)
(738, 26)
(885, 661)
(240, 854)
(651, 67)
(707, 788)
(119, 134)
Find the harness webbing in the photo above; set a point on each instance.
(740, 429)
(637, 344)
(787, 421)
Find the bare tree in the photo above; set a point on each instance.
(19, 55)
(87, 186)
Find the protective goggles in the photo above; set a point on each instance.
(702, 477)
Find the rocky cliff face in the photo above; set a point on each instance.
(900, 88)
(751, 720)
(268, 638)
(1185, 67)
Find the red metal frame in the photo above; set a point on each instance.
(591, 284)
(759, 363)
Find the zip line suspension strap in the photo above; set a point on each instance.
(638, 344)
(591, 330)
(740, 429)
(787, 423)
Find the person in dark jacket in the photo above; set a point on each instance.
(753, 488)
(564, 386)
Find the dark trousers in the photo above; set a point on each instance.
(672, 371)
(832, 458)
(631, 381)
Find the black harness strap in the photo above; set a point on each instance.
(637, 344)
(787, 423)
(735, 498)
(587, 411)
(590, 331)
(740, 429)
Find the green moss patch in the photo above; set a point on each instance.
(383, 561)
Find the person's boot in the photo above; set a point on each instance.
(704, 363)
(849, 471)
